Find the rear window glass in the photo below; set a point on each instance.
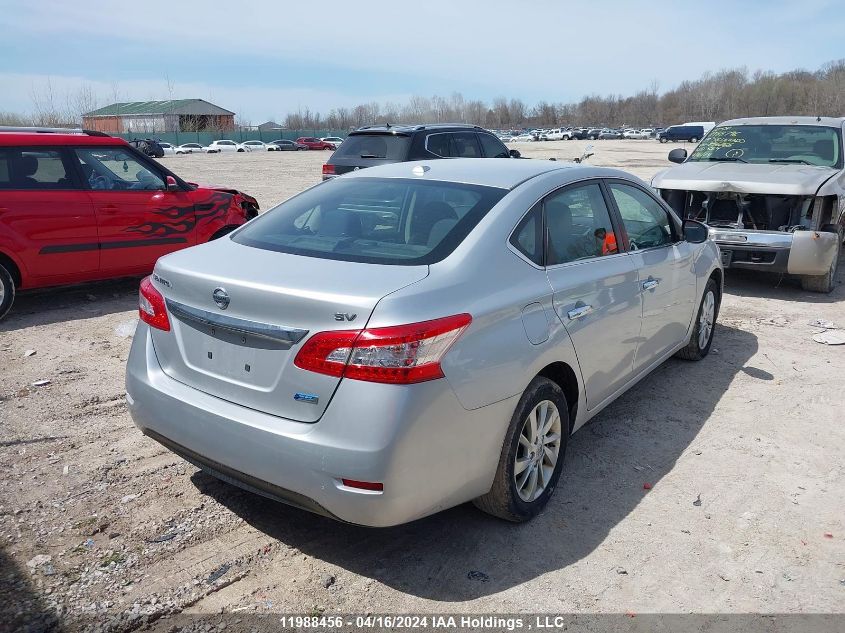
(389, 146)
(373, 220)
(32, 169)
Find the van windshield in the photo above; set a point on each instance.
(389, 146)
(373, 220)
(787, 144)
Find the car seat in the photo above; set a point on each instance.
(824, 149)
(340, 223)
(23, 169)
(423, 221)
(559, 222)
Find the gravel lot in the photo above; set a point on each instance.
(709, 487)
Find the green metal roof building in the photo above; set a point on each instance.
(175, 115)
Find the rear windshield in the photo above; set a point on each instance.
(390, 146)
(373, 220)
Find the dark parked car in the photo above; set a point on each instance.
(610, 134)
(691, 133)
(593, 133)
(383, 144)
(288, 146)
(579, 133)
(148, 146)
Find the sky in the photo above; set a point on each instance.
(265, 58)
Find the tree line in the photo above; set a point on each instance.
(718, 96)
(726, 94)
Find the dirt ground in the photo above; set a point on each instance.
(710, 487)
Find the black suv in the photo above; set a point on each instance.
(691, 133)
(384, 144)
(148, 146)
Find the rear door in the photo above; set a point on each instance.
(596, 289)
(138, 219)
(45, 214)
(665, 264)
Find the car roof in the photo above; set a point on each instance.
(8, 139)
(504, 173)
(410, 129)
(829, 121)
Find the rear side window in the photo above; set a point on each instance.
(493, 147)
(34, 168)
(373, 220)
(372, 146)
(453, 145)
(527, 238)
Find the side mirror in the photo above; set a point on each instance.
(514, 153)
(695, 232)
(678, 155)
(171, 183)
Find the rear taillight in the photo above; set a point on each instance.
(328, 170)
(401, 354)
(151, 307)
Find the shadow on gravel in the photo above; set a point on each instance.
(751, 283)
(71, 303)
(21, 609)
(461, 554)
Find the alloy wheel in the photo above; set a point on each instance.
(705, 321)
(538, 451)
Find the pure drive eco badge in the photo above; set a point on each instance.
(310, 398)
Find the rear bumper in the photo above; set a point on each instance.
(428, 451)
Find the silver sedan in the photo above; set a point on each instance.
(413, 336)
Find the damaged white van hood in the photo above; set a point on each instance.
(793, 180)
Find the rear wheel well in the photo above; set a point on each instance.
(562, 374)
(717, 276)
(9, 265)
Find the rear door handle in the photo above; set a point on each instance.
(579, 311)
(650, 284)
(109, 208)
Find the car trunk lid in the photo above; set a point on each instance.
(239, 315)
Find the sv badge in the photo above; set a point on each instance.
(344, 316)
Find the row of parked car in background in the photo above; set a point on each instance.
(158, 149)
(691, 132)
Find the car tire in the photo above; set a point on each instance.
(694, 139)
(663, 140)
(823, 283)
(508, 499)
(705, 324)
(7, 291)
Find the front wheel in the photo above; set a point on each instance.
(694, 139)
(705, 322)
(7, 291)
(532, 454)
(664, 140)
(826, 282)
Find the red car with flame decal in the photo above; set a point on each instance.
(78, 207)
